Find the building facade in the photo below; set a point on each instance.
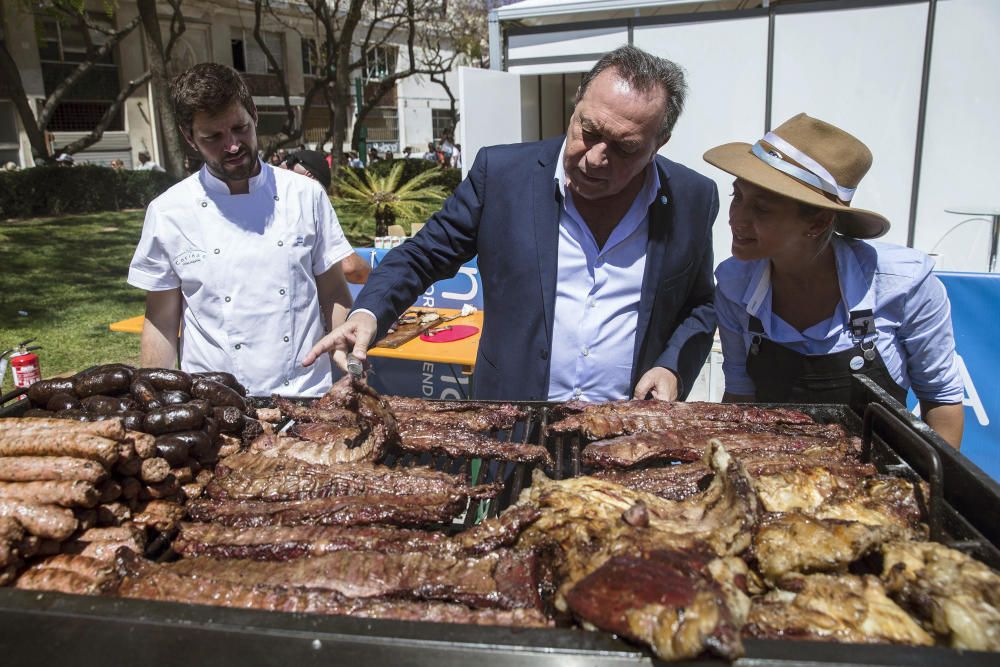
(415, 112)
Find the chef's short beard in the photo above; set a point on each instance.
(230, 173)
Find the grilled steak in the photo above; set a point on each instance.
(427, 436)
(258, 477)
(336, 511)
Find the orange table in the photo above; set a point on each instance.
(459, 352)
(132, 325)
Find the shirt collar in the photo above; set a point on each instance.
(216, 185)
(649, 189)
(855, 283)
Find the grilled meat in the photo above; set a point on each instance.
(582, 519)
(666, 599)
(426, 436)
(823, 607)
(314, 451)
(48, 521)
(954, 595)
(676, 482)
(796, 543)
(65, 573)
(688, 444)
(309, 413)
(288, 542)
(54, 442)
(597, 421)
(50, 468)
(64, 494)
(251, 476)
(401, 404)
(11, 535)
(111, 428)
(335, 511)
(158, 582)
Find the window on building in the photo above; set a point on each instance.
(249, 57)
(310, 57)
(441, 122)
(62, 47)
(380, 62)
(382, 124)
(8, 133)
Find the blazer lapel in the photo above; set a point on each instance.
(660, 222)
(545, 204)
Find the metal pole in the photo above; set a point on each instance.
(362, 131)
(911, 230)
(496, 46)
(994, 241)
(769, 84)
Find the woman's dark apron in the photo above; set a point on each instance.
(782, 375)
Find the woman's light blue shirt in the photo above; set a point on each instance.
(912, 317)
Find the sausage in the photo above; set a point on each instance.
(172, 418)
(48, 521)
(51, 468)
(65, 494)
(130, 487)
(222, 377)
(61, 581)
(143, 443)
(154, 470)
(230, 419)
(68, 443)
(165, 489)
(73, 415)
(217, 393)
(145, 395)
(174, 396)
(165, 379)
(112, 514)
(107, 380)
(35, 413)
(204, 407)
(177, 448)
(109, 491)
(205, 450)
(62, 400)
(85, 519)
(40, 392)
(132, 420)
(106, 405)
(39, 426)
(164, 515)
(211, 428)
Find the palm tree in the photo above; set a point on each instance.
(383, 198)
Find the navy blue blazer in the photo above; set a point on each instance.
(507, 211)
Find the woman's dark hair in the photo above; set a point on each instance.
(208, 87)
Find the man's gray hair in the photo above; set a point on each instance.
(642, 71)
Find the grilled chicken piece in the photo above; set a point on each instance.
(954, 595)
(796, 543)
(876, 501)
(842, 608)
(667, 599)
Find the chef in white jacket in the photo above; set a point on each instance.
(241, 261)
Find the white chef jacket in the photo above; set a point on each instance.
(246, 266)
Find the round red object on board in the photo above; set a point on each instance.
(457, 332)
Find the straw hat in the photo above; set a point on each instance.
(809, 161)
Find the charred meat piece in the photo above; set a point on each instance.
(66, 573)
(400, 404)
(258, 477)
(688, 444)
(427, 436)
(288, 542)
(582, 520)
(478, 421)
(954, 595)
(11, 534)
(844, 608)
(502, 579)
(157, 582)
(666, 599)
(308, 451)
(334, 511)
(597, 421)
(796, 543)
(48, 521)
(304, 413)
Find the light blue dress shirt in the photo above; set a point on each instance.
(597, 298)
(912, 317)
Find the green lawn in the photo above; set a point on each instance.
(68, 274)
(62, 281)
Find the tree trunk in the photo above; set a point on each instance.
(15, 88)
(167, 122)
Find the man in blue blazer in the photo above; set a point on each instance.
(595, 253)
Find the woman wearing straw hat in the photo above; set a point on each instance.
(804, 302)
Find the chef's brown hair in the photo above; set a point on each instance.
(208, 87)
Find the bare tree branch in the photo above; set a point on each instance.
(98, 131)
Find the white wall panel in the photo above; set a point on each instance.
(493, 99)
(860, 70)
(961, 156)
(562, 44)
(726, 65)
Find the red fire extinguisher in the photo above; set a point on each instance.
(24, 364)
